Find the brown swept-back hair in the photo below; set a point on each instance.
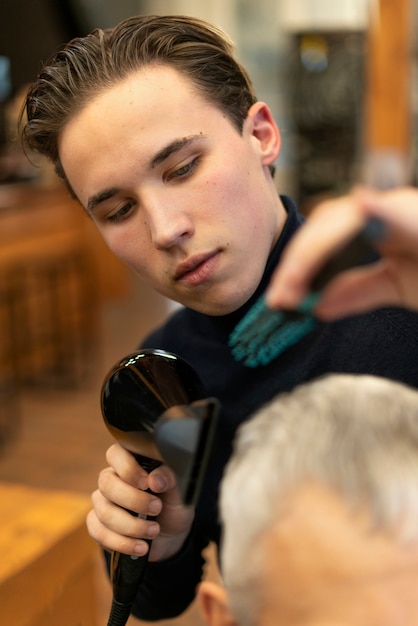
(89, 65)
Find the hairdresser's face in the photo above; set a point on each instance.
(326, 567)
(175, 190)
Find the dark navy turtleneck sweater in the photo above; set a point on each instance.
(382, 343)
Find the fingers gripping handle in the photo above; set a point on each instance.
(127, 570)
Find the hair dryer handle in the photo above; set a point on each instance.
(148, 464)
(127, 570)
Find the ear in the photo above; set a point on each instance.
(213, 601)
(261, 125)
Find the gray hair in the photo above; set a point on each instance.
(356, 434)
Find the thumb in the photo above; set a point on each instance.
(162, 479)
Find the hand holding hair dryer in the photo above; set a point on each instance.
(154, 405)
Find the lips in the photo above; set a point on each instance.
(197, 269)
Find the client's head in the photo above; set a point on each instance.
(319, 505)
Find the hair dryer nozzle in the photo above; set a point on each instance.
(184, 437)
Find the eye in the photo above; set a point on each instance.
(185, 170)
(121, 214)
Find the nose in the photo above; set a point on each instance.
(169, 225)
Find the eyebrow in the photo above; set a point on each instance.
(158, 158)
(172, 148)
(102, 196)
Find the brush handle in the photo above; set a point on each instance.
(358, 251)
(263, 334)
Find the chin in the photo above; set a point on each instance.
(218, 301)
(219, 308)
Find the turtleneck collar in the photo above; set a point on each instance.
(292, 223)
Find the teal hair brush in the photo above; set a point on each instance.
(263, 334)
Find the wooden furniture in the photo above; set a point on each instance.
(42, 249)
(48, 561)
(9, 376)
(388, 133)
(54, 262)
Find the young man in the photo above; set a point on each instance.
(319, 505)
(391, 281)
(156, 129)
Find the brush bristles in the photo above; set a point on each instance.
(263, 334)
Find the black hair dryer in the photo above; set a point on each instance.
(154, 402)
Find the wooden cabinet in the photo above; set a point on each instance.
(48, 561)
(55, 271)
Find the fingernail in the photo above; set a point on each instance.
(152, 530)
(141, 549)
(154, 507)
(160, 483)
(143, 483)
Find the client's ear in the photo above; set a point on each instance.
(214, 607)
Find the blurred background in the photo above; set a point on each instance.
(341, 80)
